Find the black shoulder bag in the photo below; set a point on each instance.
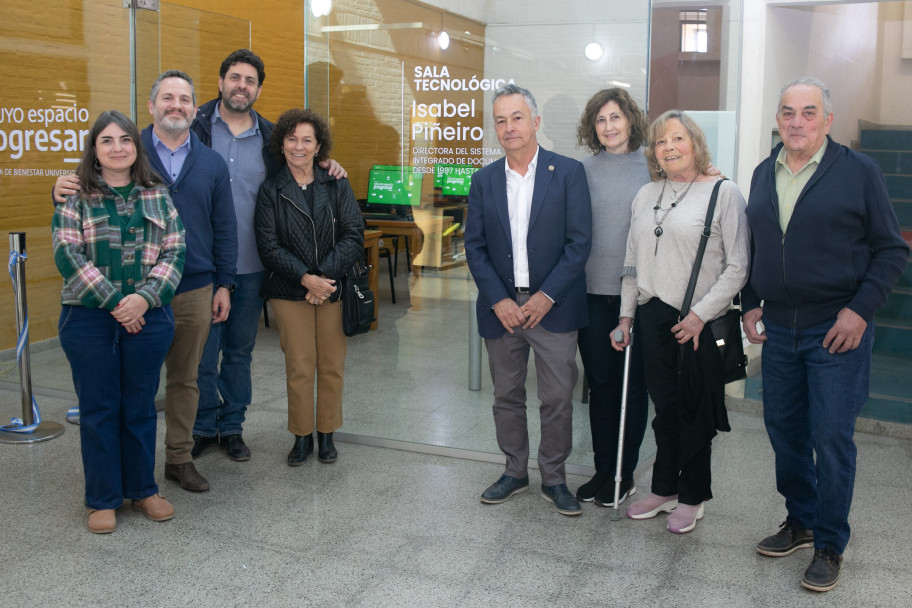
(726, 330)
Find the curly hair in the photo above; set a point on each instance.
(290, 120)
(585, 132)
(702, 157)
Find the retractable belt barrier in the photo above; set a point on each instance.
(30, 428)
(17, 425)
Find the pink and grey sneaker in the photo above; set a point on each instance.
(652, 505)
(684, 518)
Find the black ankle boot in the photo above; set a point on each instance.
(302, 447)
(326, 451)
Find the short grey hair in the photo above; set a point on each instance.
(512, 89)
(171, 74)
(811, 82)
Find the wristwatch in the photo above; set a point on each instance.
(230, 288)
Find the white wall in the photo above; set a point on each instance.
(895, 72)
(853, 47)
(835, 43)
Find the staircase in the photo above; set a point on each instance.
(891, 387)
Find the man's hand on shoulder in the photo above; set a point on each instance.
(509, 313)
(334, 168)
(65, 186)
(846, 333)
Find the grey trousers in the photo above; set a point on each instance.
(555, 365)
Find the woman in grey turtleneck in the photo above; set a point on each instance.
(613, 128)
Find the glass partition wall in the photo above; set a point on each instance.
(407, 89)
(409, 85)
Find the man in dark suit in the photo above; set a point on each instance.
(527, 238)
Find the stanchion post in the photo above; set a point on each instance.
(46, 429)
(17, 244)
(474, 348)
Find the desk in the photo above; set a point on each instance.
(372, 247)
(415, 231)
(428, 229)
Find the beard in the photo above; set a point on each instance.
(237, 105)
(173, 124)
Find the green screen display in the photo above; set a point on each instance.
(391, 185)
(453, 180)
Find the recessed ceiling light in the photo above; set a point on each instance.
(594, 51)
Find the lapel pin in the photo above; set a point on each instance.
(550, 167)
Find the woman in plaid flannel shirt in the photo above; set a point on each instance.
(119, 245)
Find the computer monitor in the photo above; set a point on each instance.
(453, 180)
(392, 185)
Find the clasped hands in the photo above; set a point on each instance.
(129, 313)
(526, 316)
(319, 288)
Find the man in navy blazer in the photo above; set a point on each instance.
(527, 239)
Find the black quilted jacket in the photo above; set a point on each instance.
(291, 243)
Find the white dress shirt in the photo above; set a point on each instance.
(519, 205)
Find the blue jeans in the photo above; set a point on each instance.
(235, 339)
(604, 369)
(116, 377)
(811, 400)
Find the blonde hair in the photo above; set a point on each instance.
(702, 157)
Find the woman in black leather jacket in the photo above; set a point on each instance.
(309, 231)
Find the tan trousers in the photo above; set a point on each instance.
(192, 320)
(314, 345)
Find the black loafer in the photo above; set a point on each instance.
(326, 450)
(200, 443)
(302, 448)
(237, 449)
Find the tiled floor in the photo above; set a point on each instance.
(387, 527)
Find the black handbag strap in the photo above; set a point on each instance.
(359, 262)
(704, 237)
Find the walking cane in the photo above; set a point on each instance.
(618, 337)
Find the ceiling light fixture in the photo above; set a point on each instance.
(319, 8)
(594, 51)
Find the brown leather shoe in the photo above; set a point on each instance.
(187, 475)
(102, 521)
(155, 507)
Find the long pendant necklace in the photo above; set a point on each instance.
(658, 207)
